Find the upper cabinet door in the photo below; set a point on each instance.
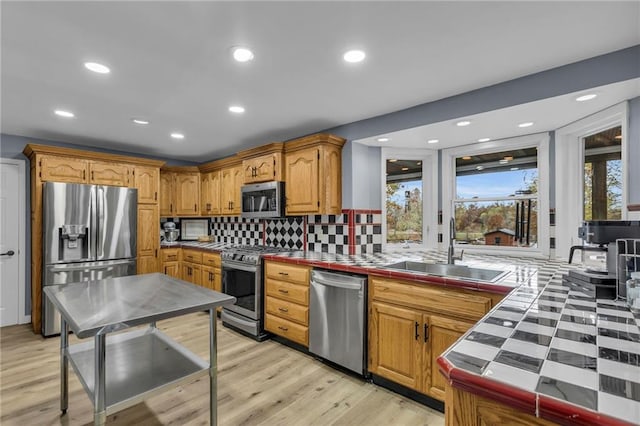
(231, 181)
(108, 174)
(236, 194)
(210, 193)
(301, 169)
(187, 194)
(63, 169)
(263, 169)
(147, 181)
(167, 203)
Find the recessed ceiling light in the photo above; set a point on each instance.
(479, 167)
(484, 139)
(513, 169)
(618, 137)
(503, 161)
(140, 121)
(393, 160)
(404, 169)
(383, 139)
(236, 109)
(508, 157)
(526, 124)
(463, 123)
(177, 135)
(96, 67)
(418, 163)
(63, 113)
(242, 54)
(586, 97)
(433, 141)
(354, 56)
(466, 157)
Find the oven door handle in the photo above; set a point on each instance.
(239, 266)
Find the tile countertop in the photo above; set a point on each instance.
(550, 348)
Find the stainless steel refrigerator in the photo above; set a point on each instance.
(89, 233)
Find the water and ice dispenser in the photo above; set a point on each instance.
(73, 242)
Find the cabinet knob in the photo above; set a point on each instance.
(417, 334)
(426, 332)
(281, 290)
(283, 328)
(283, 309)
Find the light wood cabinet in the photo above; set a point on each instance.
(211, 278)
(147, 181)
(313, 173)
(210, 193)
(148, 238)
(59, 164)
(412, 324)
(171, 262)
(287, 301)
(63, 169)
(179, 191)
(263, 163)
(102, 173)
(231, 181)
(192, 272)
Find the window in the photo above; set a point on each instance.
(497, 191)
(409, 194)
(603, 175)
(404, 201)
(497, 198)
(591, 161)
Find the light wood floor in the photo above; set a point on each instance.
(258, 384)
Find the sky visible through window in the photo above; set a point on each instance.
(499, 184)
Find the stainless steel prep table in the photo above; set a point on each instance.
(137, 364)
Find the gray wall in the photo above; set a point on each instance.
(634, 151)
(11, 146)
(597, 71)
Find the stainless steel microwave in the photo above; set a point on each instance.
(261, 200)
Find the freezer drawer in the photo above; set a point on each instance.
(337, 318)
(77, 272)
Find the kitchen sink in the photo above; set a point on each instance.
(447, 270)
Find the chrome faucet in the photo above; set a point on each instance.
(451, 259)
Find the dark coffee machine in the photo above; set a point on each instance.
(605, 239)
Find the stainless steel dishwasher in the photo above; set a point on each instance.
(337, 318)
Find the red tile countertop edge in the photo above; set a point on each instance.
(490, 389)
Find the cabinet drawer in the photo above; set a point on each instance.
(287, 310)
(287, 329)
(211, 259)
(291, 273)
(447, 301)
(170, 255)
(193, 256)
(287, 291)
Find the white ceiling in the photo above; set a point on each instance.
(546, 115)
(171, 64)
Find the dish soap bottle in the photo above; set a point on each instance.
(633, 292)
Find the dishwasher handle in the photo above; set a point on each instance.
(333, 283)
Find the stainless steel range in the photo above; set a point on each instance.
(242, 278)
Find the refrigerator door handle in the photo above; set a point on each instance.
(100, 224)
(93, 224)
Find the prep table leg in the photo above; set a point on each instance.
(213, 369)
(64, 366)
(99, 394)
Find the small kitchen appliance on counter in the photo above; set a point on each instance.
(605, 238)
(171, 234)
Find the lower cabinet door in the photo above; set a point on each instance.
(396, 346)
(172, 269)
(441, 334)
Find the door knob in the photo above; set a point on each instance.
(8, 253)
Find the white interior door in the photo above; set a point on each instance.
(11, 241)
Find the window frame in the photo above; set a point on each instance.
(569, 152)
(449, 155)
(429, 160)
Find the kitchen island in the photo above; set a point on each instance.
(137, 364)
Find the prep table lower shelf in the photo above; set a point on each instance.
(139, 364)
